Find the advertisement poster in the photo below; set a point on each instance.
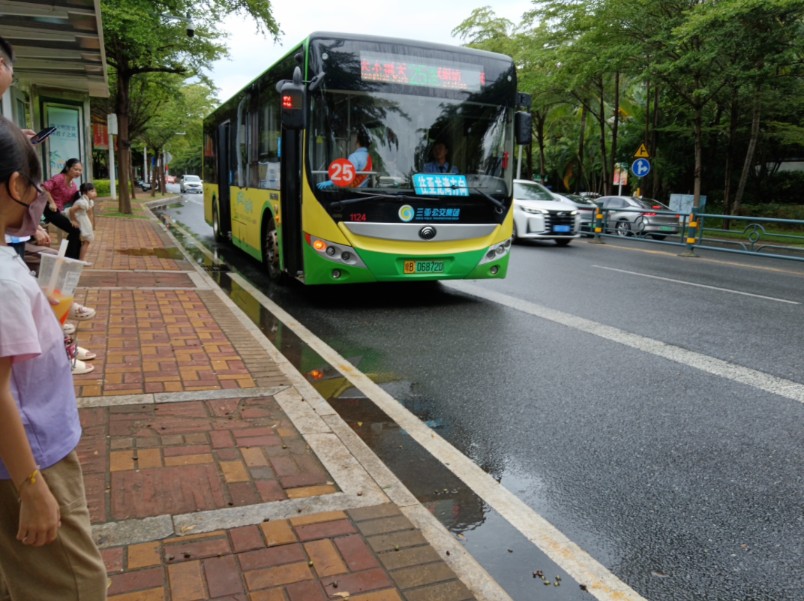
(65, 142)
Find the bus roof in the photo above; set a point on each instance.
(408, 42)
(359, 37)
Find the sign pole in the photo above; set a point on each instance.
(111, 124)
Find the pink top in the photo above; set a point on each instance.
(62, 193)
(41, 382)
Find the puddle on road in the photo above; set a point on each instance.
(504, 552)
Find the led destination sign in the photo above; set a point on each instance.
(392, 68)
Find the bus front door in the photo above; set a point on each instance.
(224, 181)
(291, 202)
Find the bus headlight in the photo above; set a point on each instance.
(337, 253)
(498, 251)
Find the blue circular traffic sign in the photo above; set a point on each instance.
(640, 167)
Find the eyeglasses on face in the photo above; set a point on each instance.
(36, 185)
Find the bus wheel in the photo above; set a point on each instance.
(270, 251)
(216, 222)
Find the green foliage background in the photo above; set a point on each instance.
(723, 78)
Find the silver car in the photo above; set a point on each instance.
(191, 183)
(628, 216)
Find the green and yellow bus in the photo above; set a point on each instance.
(285, 181)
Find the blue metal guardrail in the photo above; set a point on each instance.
(744, 235)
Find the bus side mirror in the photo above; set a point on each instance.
(523, 128)
(291, 95)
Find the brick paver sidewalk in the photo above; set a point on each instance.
(208, 474)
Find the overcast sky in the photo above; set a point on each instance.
(426, 20)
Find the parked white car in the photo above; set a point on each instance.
(541, 215)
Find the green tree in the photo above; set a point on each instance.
(150, 36)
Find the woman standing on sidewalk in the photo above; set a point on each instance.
(46, 547)
(63, 190)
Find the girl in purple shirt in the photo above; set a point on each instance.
(46, 546)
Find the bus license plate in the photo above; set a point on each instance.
(424, 267)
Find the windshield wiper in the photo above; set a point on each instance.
(363, 196)
(500, 206)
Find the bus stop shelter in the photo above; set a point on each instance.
(59, 64)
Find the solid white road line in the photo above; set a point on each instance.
(656, 277)
(699, 361)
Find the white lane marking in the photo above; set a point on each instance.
(730, 291)
(717, 367)
(703, 259)
(586, 570)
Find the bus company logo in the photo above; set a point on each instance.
(428, 232)
(244, 202)
(406, 213)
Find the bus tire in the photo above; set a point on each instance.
(216, 222)
(270, 250)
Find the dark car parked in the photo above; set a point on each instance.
(628, 216)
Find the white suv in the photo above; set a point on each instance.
(541, 215)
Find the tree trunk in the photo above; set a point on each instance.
(749, 153)
(579, 176)
(727, 169)
(161, 176)
(123, 146)
(653, 146)
(696, 185)
(604, 161)
(615, 125)
(540, 122)
(132, 179)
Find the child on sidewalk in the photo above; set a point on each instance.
(46, 546)
(79, 214)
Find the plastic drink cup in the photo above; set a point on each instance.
(62, 306)
(58, 277)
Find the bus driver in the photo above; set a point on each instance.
(439, 164)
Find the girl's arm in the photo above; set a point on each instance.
(73, 211)
(39, 510)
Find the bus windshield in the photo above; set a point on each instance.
(422, 111)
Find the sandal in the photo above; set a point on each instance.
(83, 354)
(68, 329)
(81, 313)
(80, 368)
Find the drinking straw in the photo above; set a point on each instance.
(54, 275)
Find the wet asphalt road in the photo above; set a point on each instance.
(685, 484)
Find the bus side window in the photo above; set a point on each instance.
(268, 134)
